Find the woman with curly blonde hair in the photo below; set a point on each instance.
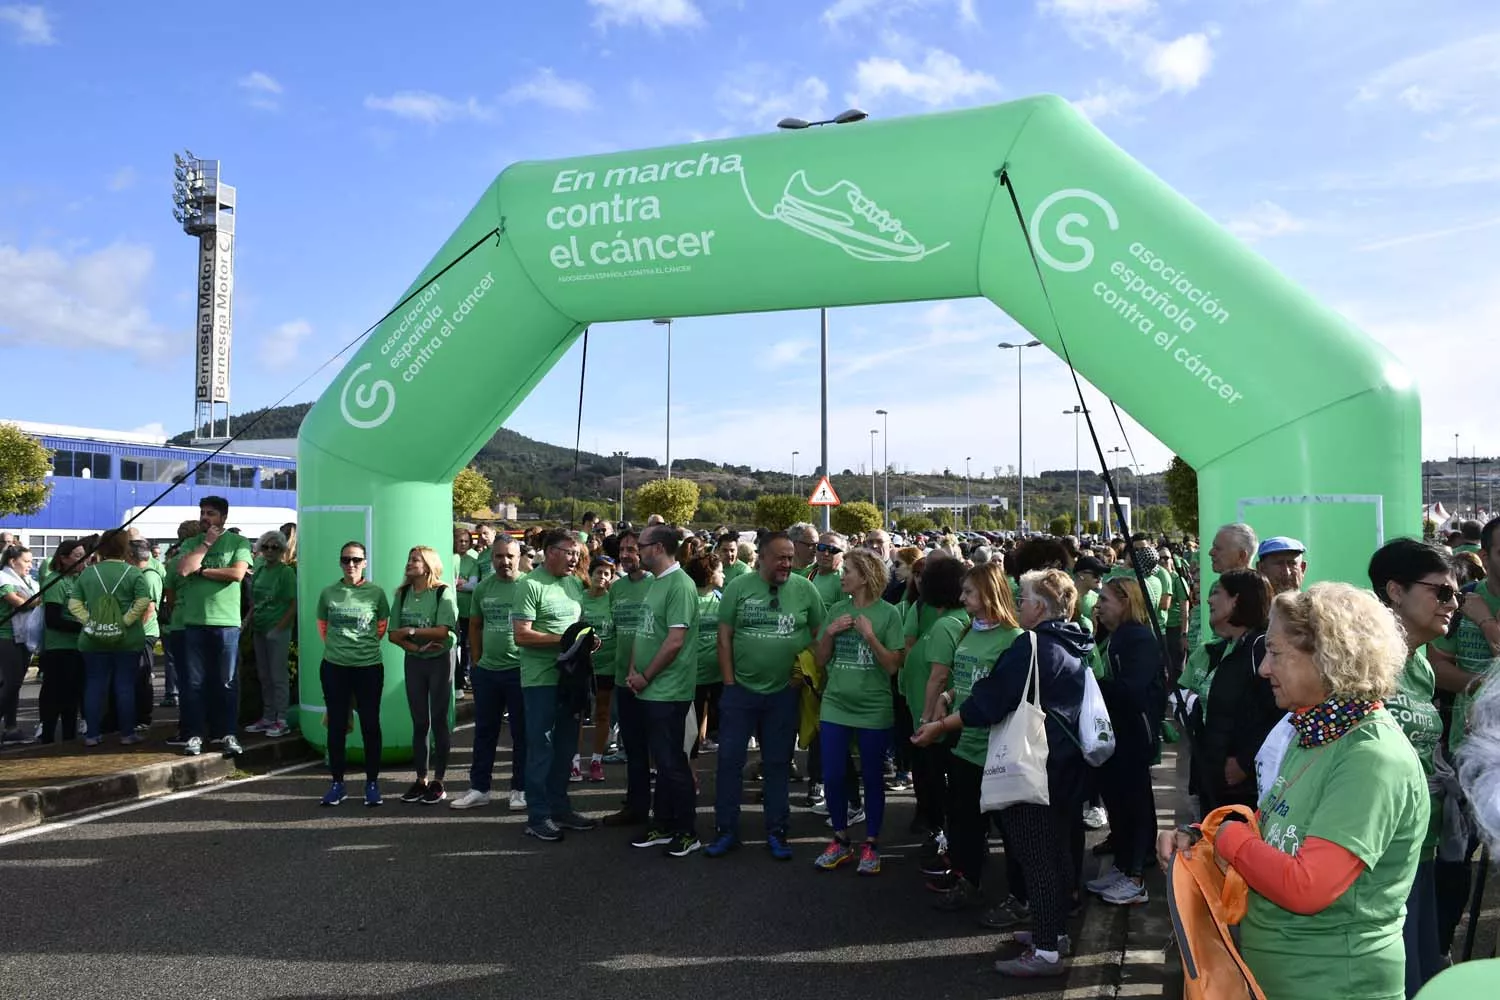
(1342, 824)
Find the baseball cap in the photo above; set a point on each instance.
(1279, 543)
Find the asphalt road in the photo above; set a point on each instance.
(252, 891)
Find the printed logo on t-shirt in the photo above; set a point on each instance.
(757, 618)
(1284, 837)
(851, 652)
(350, 617)
(627, 617)
(496, 614)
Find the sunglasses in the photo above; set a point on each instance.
(775, 598)
(351, 560)
(270, 548)
(1446, 593)
(825, 548)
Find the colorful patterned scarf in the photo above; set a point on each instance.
(1323, 723)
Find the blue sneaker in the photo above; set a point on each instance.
(334, 795)
(721, 845)
(780, 849)
(372, 794)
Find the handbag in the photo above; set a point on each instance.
(1096, 733)
(1015, 763)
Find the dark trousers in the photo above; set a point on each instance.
(967, 827)
(901, 731)
(706, 704)
(636, 743)
(1037, 836)
(61, 696)
(1420, 932)
(496, 693)
(14, 661)
(429, 698)
(360, 687)
(774, 716)
(461, 677)
(211, 694)
(815, 770)
(1175, 657)
(144, 693)
(929, 772)
(106, 673)
(676, 800)
(1126, 787)
(1453, 881)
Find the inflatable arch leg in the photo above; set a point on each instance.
(1296, 421)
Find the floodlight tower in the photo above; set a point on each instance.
(205, 208)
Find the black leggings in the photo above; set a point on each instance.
(360, 685)
(1037, 836)
(61, 697)
(929, 772)
(1126, 787)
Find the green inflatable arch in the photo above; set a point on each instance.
(1296, 421)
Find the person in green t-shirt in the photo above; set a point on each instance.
(464, 567)
(933, 627)
(1343, 821)
(353, 615)
(767, 618)
(206, 598)
(727, 547)
(1088, 573)
(272, 620)
(18, 602)
(547, 604)
(61, 697)
(1176, 614)
(1468, 651)
(663, 676)
(707, 573)
(496, 679)
(861, 648)
(426, 623)
(627, 604)
(155, 574)
(599, 613)
(110, 599)
(828, 567)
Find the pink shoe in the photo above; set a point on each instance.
(596, 771)
(575, 774)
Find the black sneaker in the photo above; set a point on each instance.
(546, 831)
(961, 896)
(414, 793)
(652, 838)
(940, 864)
(575, 821)
(682, 845)
(433, 794)
(170, 701)
(180, 740)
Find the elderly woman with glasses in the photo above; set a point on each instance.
(273, 616)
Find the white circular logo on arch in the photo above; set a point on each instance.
(366, 399)
(1066, 223)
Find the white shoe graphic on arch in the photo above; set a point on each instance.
(845, 216)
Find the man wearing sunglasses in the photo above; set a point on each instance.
(828, 568)
(766, 619)
(1280, 560)
(804, 546)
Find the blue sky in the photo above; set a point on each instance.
(1355, 143)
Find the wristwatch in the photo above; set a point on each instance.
(411, 633)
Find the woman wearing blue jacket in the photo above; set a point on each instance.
(1040, 836)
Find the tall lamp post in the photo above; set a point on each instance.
(1458, 481)
(874, 498)
(885, 473)
(1077, 411)
(1020, 432)
(968, 496)
(847, 117)
(1117, 450)
(622, 456)
(668, 324)
(794, 473)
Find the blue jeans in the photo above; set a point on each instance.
(631, 715)
(676, 804)
(742, 713)
(211, 682)
(551, 740)
(873, 743)
(495, 693)
(103, 671)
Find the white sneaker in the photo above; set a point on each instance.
(857, 816)
(1099, 886)
(820, 807)
(194, 746)
(1095, 818)
(472, 799)
(1126, 892)
(276, 730)
(517, 799)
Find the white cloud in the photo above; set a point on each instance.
(941, 79)
(262, 90)
(1109, 100)
(122, 179)
(154, 429)
(757, 96)
(786, 352)
(1462, 77)
(1428, 235)
(31, 24)
(95, 299)
(422, 106)
(1265, 221)
(845, 10)
(1127, 27)
(1180, 64)
(653, 14)
(550, 90)
(278, 349)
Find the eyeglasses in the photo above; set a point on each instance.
(351, 560)
(824, 547)
(1446, 593)
(270, 548)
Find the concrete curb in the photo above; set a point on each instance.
(22, 810)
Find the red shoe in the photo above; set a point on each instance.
(596, 771)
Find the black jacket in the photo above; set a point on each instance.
(1135, 692)
(1241, 711)
(1062, 648)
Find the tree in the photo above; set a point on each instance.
(1157, 518)
(24, 464)
(1060, 525)
(472, 491)
(676, 500)
(855, 518)
(1182, 494)
(943, 517)
(779, 511)
(910, 524)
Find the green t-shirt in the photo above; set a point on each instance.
(1179, 594)
(551, 604)
(353, 615)
(463, 568)
(769, 631)
(7, 629)
(627, 606)
(1464, 981)
(1086, 601)
(61, 592)
(202, 601)
(155, 578)
(127, 584)
(857, 691)
(1364, 792)
(830, 587)
(428, 610)
(735, 569)
(171, 581)
(672, 601)
(1471, 651)
(1163, 578)
(1414, 711)
(938, 638)
(494, 599)
(973, 659)
(273, 588)
(598, 613)
(708, 637)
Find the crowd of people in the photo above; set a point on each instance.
(1352, 718)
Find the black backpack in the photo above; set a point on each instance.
(575, 667)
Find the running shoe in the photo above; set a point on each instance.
(334, 795)
(869, 860)
(472, 799)
(258, 726)
(1126, 892)
(232, 747)
(779, 848)
(517, 799)
(899, 782)
(193, 747)
(576, 774)
(415, 792)
(372, 793)
(835, 854)
(1031, 965)
(596, 771)
(721, 845)
(545, 831)
(132, 739)
(682, 845)
(276, 730)
(178, 741)
(434, 793)
(1098, 886)
(1064, 942)
(1003, 916)
(960, 896)
(652, 838)
(1095, 818)
(575, 821)
(92, 741)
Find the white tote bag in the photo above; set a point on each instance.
(1015, 765)
(1096, 733)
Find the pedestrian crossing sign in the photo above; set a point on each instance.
(823, 496)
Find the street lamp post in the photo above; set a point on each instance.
(668, 324)
(794, 473)
(1020, 433)
(968, 495)
(1117, 450)
(846, 117)
(622, 456)
(874, 499)
(1077, 411)
(885, 473)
